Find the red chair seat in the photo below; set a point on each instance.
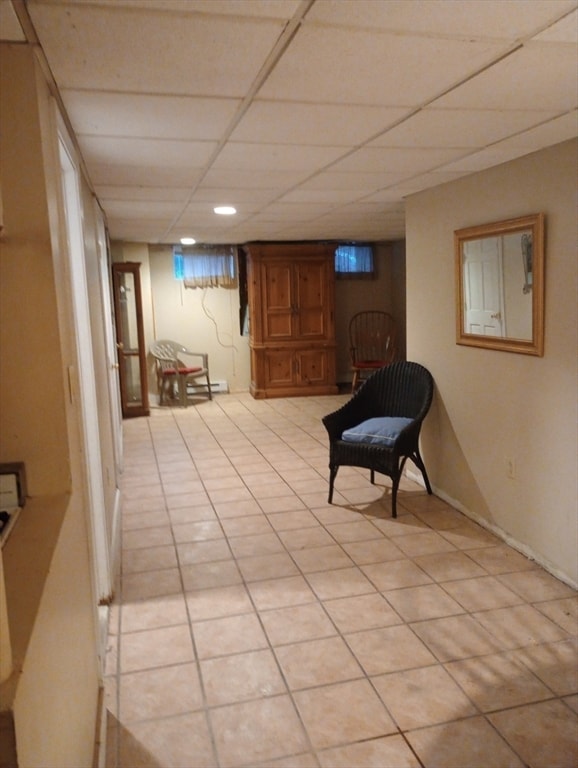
(371, 363)
(173, 371)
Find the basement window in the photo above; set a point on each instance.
(205, 266)
(354, 261)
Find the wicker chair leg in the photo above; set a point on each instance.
(394, 487)
(332, 476)
(418, 461)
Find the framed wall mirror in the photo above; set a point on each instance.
(500, 285)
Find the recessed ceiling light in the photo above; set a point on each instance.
(225, 210)
(188, 241)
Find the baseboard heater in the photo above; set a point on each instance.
(216, 387)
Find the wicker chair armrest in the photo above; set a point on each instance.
(349, 415)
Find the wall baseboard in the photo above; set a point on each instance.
(496, 530)
(216, 387)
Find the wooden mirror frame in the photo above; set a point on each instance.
(532, 280)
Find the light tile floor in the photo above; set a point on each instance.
(257, 626)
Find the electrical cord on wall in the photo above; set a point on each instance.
(211, 317)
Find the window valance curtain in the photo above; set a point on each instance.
(354, 259)
(205, 266)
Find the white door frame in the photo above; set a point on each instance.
(112, 378)
(87, 399)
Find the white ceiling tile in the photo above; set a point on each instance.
(216, 195)
(275, 157)
(256, 179)
(552, 84)
(141, 175)
(250, 231)
(154, 87)
(389, 195)
(485, 158)
(425, 181)
(274, 122)
(361, 208)
(363, 225)
(138, 230)
(115, 49)
(281, 210)
(207, 235)
(204, 210)
(459, 128)
(136, 115)
(553, 132)
(305, 195)
(136, 209)
(397, 159)
(354, 182)
(160, 194)
(151, 152)
(266, 8)
(503, 152)
(344, 66)
(483, 18)
(10, 28)
(564, 31)
(206, 217)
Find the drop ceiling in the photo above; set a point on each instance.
(314, 118)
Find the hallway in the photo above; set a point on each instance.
(255, 625)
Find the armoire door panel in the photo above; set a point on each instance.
(311, 290)
(312, 366)
(277, 310)
(279, 368)
(311, 324)
(278, 326)
(311, 282)
(278, 289)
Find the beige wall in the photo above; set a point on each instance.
(208, 320)
(32, 417)
(493, 406)
(55, 707)
(50, 598)
(386, 292)
(204, 320)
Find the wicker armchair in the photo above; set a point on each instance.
(399, 395)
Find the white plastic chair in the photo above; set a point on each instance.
(173, 370)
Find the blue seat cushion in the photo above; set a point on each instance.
(378, 431)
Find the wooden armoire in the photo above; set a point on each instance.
(291, 289)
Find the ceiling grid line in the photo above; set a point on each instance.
(316, 119)
(279, 48)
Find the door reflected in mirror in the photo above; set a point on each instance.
(500, 285)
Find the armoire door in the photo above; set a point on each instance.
(291, 292)
(278, 308)
(312, 285)
(130, 339)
